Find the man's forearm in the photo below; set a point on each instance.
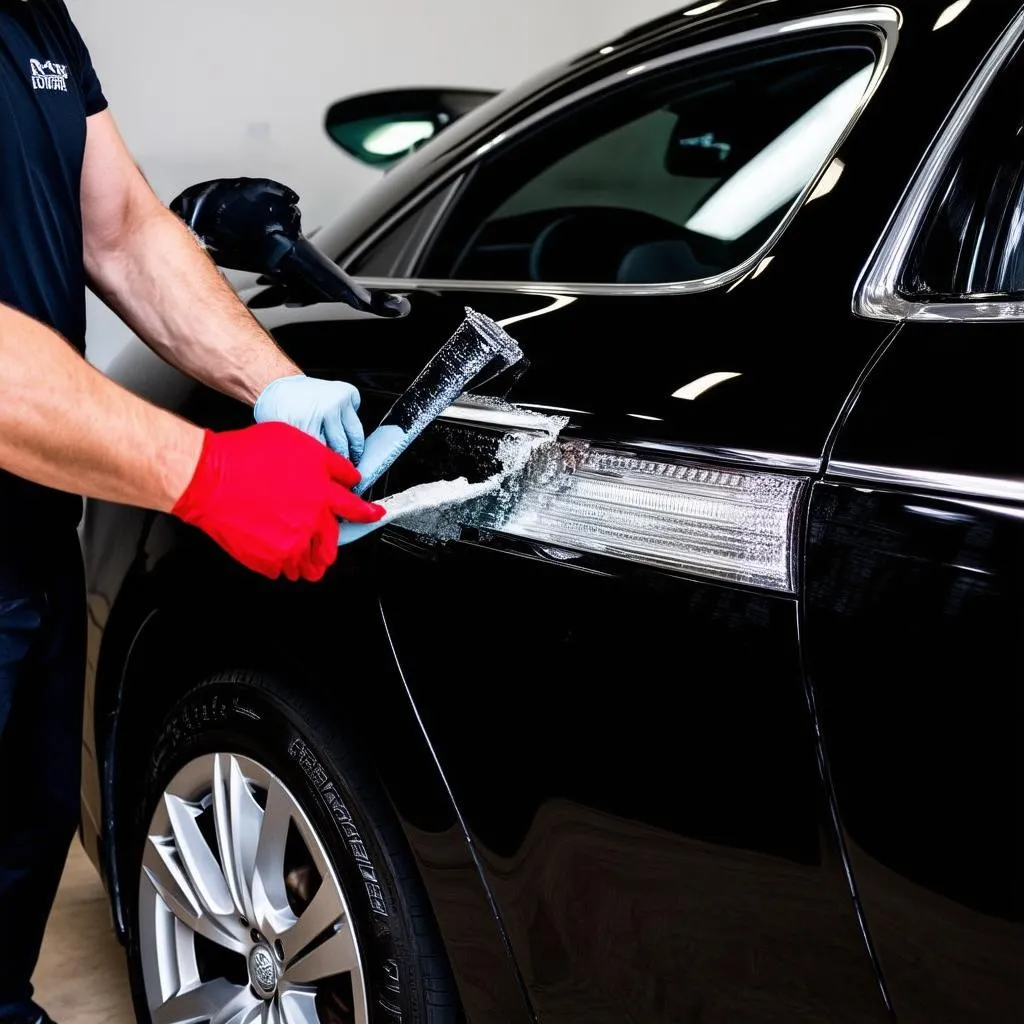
(165, 287)
(65, 425)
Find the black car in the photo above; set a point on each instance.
(721, 720)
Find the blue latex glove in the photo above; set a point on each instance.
(327, 409)
(383, 446)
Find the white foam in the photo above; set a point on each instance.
(441, 508)
(436, 495)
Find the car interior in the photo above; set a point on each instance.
(684, 191)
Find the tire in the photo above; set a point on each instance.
(337, 841)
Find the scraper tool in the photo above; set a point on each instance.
(478, 344)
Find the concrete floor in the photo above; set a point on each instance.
(81, 975)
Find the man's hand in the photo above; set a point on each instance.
(271, 497)
(325, 409)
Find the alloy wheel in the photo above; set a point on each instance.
(241, 915)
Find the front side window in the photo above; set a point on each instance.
(679, 177)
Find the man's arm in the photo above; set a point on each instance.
(145, 264)
(65, 425)
(270, 495)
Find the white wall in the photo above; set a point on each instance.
(209, 88)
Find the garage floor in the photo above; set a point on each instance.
(81, 976)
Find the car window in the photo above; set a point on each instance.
(394, 254)
(970, 245)
(682, 176)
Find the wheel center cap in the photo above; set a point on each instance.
(263, 971)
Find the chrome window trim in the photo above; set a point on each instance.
(888, 20)
(473, 414)
(999, 489)
(524, 418)
(876, 296)
(735, 456)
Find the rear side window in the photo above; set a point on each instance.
(971, 246)
(681, 176)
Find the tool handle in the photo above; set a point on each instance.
(301, 260)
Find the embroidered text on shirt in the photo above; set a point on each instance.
(48, 75)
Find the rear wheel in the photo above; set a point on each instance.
(272, 884)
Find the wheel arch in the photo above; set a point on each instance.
(165, 634)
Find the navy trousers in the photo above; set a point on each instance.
(42, 675)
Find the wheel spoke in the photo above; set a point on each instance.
(298, 1006)
(218, 1002)
(323, 912)
(220, 882)
(254, 1014)
(197, 858)
(360, 1012)
(246, 818)
(165, 874)
(222, 821)
(337, 955)
(269, 898)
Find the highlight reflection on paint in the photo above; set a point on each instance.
(697, 387)
(951, 13)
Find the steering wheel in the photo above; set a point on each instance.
(587, 245)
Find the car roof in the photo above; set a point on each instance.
(684, 17)
(979, 23)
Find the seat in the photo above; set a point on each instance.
(670, 259)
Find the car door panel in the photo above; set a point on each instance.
(657, 839)
(691, 688)
(563, 705)
(944, 399)
(913, 616)
(620, 382)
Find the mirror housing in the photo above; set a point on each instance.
(244, 223)
(380, 128)
(254, 225)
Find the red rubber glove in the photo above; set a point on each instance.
(271, 496)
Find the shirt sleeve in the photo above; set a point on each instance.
(88, 81)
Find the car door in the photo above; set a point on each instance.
(914, 578)
(628, 737)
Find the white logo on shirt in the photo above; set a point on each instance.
(48, 75)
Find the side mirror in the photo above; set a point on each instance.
(254, 225)
(380, 128)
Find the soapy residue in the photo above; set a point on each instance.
(442, 508)
(520, 457)
(477, 343)
(436, 495)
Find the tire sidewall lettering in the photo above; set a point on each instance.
(318, 778)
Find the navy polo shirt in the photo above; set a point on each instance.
(47, 89)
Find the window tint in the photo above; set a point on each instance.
(672, 179)
(970, 246)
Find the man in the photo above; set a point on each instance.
(74, 206)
